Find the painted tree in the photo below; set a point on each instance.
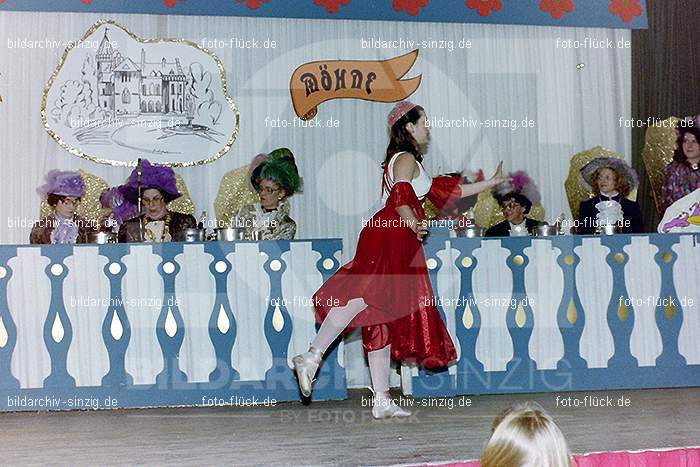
(92, 110)
(207, 111)
(70, 104)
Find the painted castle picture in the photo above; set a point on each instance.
(123, 99)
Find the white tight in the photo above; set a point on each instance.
(379, 367)
(337, 320)
(335, 323)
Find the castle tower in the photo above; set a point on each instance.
(105, 55)
(105, 65)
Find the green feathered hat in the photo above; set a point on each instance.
(281, 168)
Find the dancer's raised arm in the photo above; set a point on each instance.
(469, 189)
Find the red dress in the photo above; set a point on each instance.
(389, 272)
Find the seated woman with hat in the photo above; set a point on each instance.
(610, 180)
(63, 192)
(158, 188)
(515, 197)
(275, 177)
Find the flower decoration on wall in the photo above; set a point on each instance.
(252, 4)
(332, 6)
(620, 12)
(626, 9)
(411, 6)
(557, 8)
(484, 7)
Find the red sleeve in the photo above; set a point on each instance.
(402, 194)
(445, 191)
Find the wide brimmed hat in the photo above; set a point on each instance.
(152, 176)
(280, 167)
(618, 165)
(63, 184)
(518, 182)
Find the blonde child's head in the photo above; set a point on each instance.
(526, 436)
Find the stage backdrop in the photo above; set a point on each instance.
(530, 96)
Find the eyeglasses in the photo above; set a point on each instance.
(71, 201)
(268, 190)
(510, 205)
(150, 201)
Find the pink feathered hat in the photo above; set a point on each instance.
(521, 183)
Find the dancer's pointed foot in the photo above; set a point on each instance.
(305, 366)
(385, 407)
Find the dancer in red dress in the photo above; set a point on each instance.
(386, 289)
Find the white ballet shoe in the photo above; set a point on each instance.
(306, 366)
(385, 407)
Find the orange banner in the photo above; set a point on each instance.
(371, 80)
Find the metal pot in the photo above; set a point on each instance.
(101, 238)
(609, 229)
(230, 234)
(471, 232)
(190, 235)
(545, 230)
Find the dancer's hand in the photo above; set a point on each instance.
(498, 177)
(420, 227)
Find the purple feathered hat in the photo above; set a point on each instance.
(518, 182)
(63, 184)
(122, 208)
(152, 176)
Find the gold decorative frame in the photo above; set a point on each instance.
(660, 142)
(234, 193)
(184, 203)
(79, 153)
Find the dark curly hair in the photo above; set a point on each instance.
(53, 199)
(678, 155)
(401, 140)
(517, 197)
